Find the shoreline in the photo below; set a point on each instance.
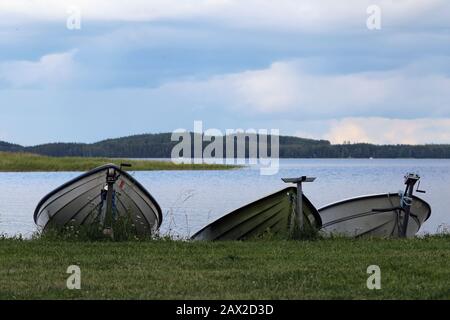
(28, 162)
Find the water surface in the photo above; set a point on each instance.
(191, 199)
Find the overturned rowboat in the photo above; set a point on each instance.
(101, 195)
(275, 214)
(382, 215)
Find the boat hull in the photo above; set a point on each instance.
(79, 202)
(272, 214)
(373, 216)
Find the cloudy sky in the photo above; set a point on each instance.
(310, 68)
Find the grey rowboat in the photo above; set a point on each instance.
(374, 216)
(273, 214)
(381, 215)
(86, 199)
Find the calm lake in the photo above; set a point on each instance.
(192, 199)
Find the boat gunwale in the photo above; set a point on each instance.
(376, 195)
(94, 171)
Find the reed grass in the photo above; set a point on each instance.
(27, 162)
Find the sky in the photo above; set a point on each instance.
(82, 71)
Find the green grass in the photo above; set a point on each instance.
(166, 269)
(26, 162)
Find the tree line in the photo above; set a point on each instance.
(160, 146)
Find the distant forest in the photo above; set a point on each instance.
(160, 146)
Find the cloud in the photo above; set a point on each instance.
(286, 90)
(231, 63)
(286, 87)
(50, 70)
(404, 105)
(305, 15)
(275, 89)
(389, 131)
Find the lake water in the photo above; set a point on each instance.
(192, 199)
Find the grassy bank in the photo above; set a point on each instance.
(26, 162)
(322, 269)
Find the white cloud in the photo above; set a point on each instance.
(284, 14)
(389, 131)
(50, 70)
(286, 90)
(285, 86)
(271, 90)
(408, 105)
